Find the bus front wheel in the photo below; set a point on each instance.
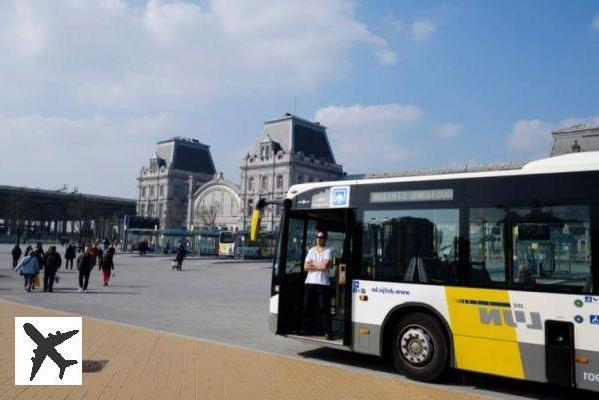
(419, 347)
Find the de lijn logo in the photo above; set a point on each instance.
(339, 196)
(48, 351)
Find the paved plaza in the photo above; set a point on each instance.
(207, 338)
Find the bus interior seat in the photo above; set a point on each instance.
(410, 274)
(416, 271)
(479, 276)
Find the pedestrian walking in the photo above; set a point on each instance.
(51, 262)
(39, 253)
(84, 265)
(107, 264)
(180, 256)
(29, 267)
(16, 254)
(95, 251)
(69, 256)
(39, 249)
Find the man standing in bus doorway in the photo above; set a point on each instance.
(317, 287)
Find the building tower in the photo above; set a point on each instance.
(179, 167)
(290, 150)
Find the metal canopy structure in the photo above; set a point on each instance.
(40, 213)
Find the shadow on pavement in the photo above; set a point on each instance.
(455, 378)
(246, 261)
(129, 286)
(89, 291)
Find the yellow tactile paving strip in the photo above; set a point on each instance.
(147, 364)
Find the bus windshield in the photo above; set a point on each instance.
(227, 237)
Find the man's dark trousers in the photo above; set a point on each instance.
(49, 274)
(317, 301)
(84, 277)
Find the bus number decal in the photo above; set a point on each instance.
(591, 377)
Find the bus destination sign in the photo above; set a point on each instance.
(412, 195)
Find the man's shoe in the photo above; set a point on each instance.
(84, 290)
(80, 290)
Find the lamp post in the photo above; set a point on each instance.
(243, 247)
(245, 189)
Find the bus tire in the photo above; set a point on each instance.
(419, 347)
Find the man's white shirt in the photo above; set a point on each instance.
(316, 256)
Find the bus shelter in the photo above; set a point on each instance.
(167, 241)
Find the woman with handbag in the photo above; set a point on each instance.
(29, 267)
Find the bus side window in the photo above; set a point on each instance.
(417, 246)
(552, 248)
(487, 258)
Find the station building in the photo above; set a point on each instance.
(166, 184)
(290, 150)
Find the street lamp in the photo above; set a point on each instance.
(243, 247)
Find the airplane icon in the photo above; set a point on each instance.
(46, 347)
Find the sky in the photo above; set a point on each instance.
(88, 88)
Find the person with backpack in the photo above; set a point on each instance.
(29, 267)
(84, 265)
(69, 256)
(51, 262)
(16, 254)
(107, 264)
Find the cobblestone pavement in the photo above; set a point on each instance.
(146, 364)
(222, 301)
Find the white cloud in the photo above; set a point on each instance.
(535, 134)
(422, 30)
(595, 23)
(364, 138)
(449, 130)
(99, 155)
(530, 135)
(114, 54)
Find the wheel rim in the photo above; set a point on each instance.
(416, 345)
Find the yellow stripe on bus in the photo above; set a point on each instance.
(482, 340)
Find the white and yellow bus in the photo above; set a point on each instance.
(495, 272)
(226, 244)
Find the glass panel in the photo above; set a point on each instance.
(295, 246)
(487, 258)
(410, 245)
(552, 246)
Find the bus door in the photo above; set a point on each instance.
(296, 241)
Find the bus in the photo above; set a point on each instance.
(495, 272)
(226, 244)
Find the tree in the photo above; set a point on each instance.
(209, 214)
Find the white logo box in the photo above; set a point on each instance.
(70, 350)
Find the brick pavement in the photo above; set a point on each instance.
(149, 364)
